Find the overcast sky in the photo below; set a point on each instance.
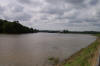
(53, 14)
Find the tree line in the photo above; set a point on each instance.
(67, 31)
(14, 27)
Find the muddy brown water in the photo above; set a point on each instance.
(35, 49)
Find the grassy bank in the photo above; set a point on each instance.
(85, 57)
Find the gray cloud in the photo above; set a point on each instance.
(66, 1)
(94, 2)
(96, 25)
(2, 9)
(19, 17)
(23, 17)
(75, 1)
(18, 9)
(58, 14)
(53, 11)
(25, 1)
(31, 3)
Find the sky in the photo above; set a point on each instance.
(77, 15)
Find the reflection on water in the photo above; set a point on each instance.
(35, 49)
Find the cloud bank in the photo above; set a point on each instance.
(53, 14)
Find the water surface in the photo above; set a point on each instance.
(35, 49)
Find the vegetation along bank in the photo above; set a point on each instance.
(85, 57)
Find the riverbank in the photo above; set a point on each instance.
(85, 57)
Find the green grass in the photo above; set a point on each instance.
(98, 35)
(54, 60)
(82, 57)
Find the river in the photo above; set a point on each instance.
(35, 49)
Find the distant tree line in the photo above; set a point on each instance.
(14, 27)
(67, 31)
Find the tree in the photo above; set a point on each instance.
(14, 27)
